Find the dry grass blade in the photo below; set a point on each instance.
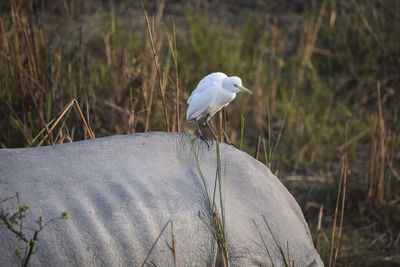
(227, 137)
(319, 230)
(345, 167)
(175, 59)
(156, 64)
(49, 134)
(65, 110)
(312, 35)
(365, 21)
(91, 134)
(40, 133)
(266, 154)
(63, 139)
(378, 157)
(217, 228)
(155, 242)
(342, 183)
(258, 142)
(335, 218)
(241, 131)
(382, 147)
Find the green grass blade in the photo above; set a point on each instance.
(198, 167)
(285, 262)
(265, 245)
(220, 187)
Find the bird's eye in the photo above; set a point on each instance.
(235, 85)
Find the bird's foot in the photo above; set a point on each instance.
(206, 140)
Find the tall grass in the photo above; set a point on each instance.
(216, 218)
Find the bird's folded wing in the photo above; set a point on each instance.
(200, 100)
(211, 80)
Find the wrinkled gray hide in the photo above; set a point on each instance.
(120, 191)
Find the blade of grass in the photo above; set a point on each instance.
(267, 163)
(345, 164)
(155, 242)
(265, 245)
(156, 64)
(220, 187)
(65, 110)
(217, 223)
(198, 167)
(257, 151)
(67, 107)
(175, 59)
(285, 261)
(335, 217)
(91, 134)
(241, 131)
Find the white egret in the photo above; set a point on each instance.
(213, 92)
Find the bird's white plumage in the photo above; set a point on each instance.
(213, 92)
(204, 99)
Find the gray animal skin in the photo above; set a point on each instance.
(120, 191)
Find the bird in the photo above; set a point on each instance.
(213, 92)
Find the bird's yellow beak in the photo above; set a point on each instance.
(244, 89)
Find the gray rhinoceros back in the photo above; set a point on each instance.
(120, 191)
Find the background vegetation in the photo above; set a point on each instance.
(324, 117)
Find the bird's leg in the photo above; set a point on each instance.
(209, 127)
(205, 139)
(198, 128)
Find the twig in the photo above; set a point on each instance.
(31, 245)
